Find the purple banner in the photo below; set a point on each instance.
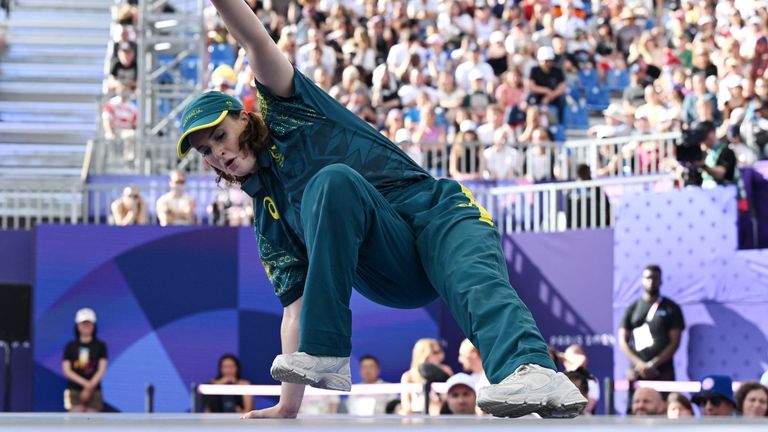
(692, 235)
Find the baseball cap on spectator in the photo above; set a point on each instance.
(124, 46)
(641, 115)
(467, 125)
(402, 136)
(460, 379)
(733, 81)
(481, 4)
(85, 314)
(545, 53)
(288, 30)
(715, 386)
(473, 47)
(496, 37)
(754, 19)
(475, 74)
(435, 39)
(626, 14)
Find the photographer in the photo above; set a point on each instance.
(718, 168)
(703, 159)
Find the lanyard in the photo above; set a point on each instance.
(652, 310)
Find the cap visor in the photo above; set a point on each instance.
(184, 145)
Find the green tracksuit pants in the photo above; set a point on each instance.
(404, 250)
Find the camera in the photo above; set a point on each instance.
(689, 151)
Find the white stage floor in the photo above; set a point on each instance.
(26, 422)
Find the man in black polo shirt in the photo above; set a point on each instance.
(547, 82)
(650, 331)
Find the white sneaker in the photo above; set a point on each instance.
(532, 389)
(330, 373)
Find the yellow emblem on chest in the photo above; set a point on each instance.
(269, 204)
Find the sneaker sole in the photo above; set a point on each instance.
(335, 382)
(519, 409)
(563, 411)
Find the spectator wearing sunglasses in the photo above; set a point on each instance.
(176, 207)
(716, 396)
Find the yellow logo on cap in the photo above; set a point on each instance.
(192, 114)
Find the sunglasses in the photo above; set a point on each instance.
(716, 401)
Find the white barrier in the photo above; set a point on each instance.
(547, 207)
(553, 207)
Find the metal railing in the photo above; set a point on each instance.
(547, 207)
(613, 157)
(553, 207)
(23, 205)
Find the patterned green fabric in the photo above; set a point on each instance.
(309, 131)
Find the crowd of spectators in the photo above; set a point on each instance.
(453, 74)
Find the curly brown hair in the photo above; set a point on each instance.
(746, 388)
(254, 139)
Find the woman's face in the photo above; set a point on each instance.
(436, 356)
(220, 146)
(85, 328)
(228, 368)
(755, 403)
(677, 410)
(761, 88)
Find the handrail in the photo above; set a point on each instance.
(504, 190)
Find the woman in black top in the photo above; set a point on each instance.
(229, 373)
(84, 365)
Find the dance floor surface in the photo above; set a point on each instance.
(27, 422)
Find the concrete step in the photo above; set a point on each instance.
(48, 107)
(43, 31)
(47, 128)
(45, 132)
(41, 172)
(37, 118)
(20, 72)
(40, 161)
(65, 20)
(96, 52)
(27, 54)
(46, 138)
(54, 92)
(18, 149)
(58, 4)
(53, 40)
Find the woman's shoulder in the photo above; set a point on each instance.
(244, 382)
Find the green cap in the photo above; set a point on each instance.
(206, 110)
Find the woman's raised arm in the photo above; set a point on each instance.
(269, 65)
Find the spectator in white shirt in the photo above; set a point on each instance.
(567, 23)
(501, 160)
(473, 62)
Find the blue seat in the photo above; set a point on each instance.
(576, 116)
(574, 92)
(597, 98)
(188, 69)
(558, 133)
(617, 79)
(220, 54)
(588, 78)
